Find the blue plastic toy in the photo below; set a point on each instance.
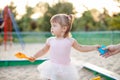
(101, 50)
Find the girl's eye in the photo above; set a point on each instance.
(54, 25)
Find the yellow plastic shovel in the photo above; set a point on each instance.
(21, 55)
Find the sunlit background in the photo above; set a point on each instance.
(90, 15)
(80, 5)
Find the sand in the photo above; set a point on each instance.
(30, 72)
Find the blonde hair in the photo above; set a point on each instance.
(64, 20)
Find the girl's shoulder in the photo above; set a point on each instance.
(71, 39)
(50, 38)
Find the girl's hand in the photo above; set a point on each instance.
(97, 46)
(32, 59)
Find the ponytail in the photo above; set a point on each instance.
(71, 19)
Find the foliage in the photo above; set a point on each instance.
(25, 21)
(114, 23)
(86, 22)
(57, 8)
(13, 9)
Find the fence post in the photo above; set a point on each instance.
(112, 37)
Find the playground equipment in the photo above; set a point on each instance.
(10, 23)
(107, 75)
(6, 63)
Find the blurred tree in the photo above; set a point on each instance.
(24, 22)
(104, 19)
(85, 23)
(33, 25)
(13, 9)
(43, 8)
(90, 21)
(60, 7)
(114, 23)
(117, 1)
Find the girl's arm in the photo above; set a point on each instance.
(40, 53)
(84, 48)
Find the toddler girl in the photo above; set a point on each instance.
(59, 66)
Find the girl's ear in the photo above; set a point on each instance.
(64, 28)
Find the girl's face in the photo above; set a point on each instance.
(57, 29)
